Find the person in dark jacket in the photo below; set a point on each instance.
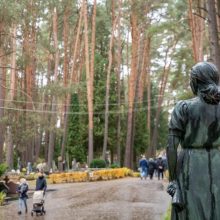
(160, 167)
(22, 191)
(41, 183)
(143, 164)
(151, 167)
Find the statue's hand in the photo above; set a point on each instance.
(177, 200)
(171, 189)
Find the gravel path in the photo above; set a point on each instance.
(123, 199)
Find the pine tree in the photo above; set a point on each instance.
(75, 146)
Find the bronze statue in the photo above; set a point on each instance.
(195, 126)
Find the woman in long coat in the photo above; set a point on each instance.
(195, 172)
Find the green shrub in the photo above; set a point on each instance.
(24, 170)
(2, 198)
(98, 163)
(3, 168)
(114, 165)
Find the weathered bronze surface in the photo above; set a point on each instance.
(195, 172)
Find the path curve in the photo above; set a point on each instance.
(123, 199)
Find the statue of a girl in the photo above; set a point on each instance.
(195, 172)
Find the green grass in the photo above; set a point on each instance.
(168, 214)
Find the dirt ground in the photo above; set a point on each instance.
(124, 199)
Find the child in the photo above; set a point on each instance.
(22, 191)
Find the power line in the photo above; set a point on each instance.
(95, 104)
(80, 113)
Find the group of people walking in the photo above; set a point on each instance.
(151, 167)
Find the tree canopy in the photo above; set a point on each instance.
(86, 79)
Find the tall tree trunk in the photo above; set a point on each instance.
(118, 76)
(54, 101)
(149, 105)
(29, 49)
(2, 72)
(72, 81)
(65, 45)
(52, 133)
(213, 33)
(65, 75)
(218, 15)
(89, 81)
(163, 83)
(197, 27)
(142, 51)
(142, 82)
(10, 150)
(46, 107)
(9, 136)
(47, 135)
(114, 21)
(145, 83)
(2, 83)
(13, 65)
(37, 144)
(92, 63)
(132, 80)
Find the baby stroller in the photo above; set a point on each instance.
(38, 203)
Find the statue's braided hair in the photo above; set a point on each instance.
(204, 79)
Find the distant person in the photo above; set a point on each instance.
(29, 168)
(151, 167)
(41, 183)
(73, 164)
(19, 164)
(77, 165)
(165, 162)
(22, 191)
(107, 162)
(64, 165)
(143, 164)
(160, 167)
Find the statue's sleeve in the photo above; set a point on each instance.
(178, 120)
(176, 133)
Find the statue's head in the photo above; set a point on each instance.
(204, 79)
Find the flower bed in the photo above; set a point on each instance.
(136, 174)
(68, 177)
(106, 174)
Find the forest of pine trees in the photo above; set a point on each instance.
(80, 78)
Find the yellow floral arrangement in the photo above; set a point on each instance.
(106, 174)
(68, 177)
(136, 174)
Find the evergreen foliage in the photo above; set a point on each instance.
(75, 143)
(3, 168)
(29, 115)
(98, 163)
